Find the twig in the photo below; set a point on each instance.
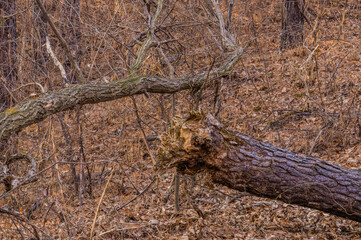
(121, 229)
(81, 156)
(3, 82)
(142, 130)
(176, 191)
(176, 179)
(22, 218)
(56, 61)
(99, 203)
(56, 170)
(316, 139)
(47, 212)
(308, 113)
(311, 55)
(25, 181)
(336, 68)
(69, 150)
(133, 199)
(199, 91)
(130, 180)
(171, 73)
(217, 190)
(62, 42)
(19, 230)
(194, 206)
(12, 181)
(29, 84)
(229, 18)
(170, 191)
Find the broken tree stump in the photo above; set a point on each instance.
(201, 143)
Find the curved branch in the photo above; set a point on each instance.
(36, 110)
(12, 181)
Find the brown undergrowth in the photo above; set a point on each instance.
(305, 99)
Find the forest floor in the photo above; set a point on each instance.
(303, 100)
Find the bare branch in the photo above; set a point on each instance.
(56, 61)
(229, 18)
(36, 110)
(62, 42)
(12, 181)
(22, 218)
(142, 53)
(227, 38)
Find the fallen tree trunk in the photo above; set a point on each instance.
(246, 164)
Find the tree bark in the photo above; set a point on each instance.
(292, 23)
(246, 164)
(35, 110)
(8, 68)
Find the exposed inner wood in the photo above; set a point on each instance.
(201, 143)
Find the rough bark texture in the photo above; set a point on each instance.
(8, 69)
(246, 164)
(292, 23)
(35, 110)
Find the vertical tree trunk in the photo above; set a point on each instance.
(8, 68)
(292, 23)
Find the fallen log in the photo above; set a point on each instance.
(201, 143)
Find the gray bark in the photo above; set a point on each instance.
(35, 110)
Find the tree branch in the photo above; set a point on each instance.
(36, 110)
(22, 218)
(142, 53)
(12, 181)
(62, 42)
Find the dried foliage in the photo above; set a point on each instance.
(305, 99)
